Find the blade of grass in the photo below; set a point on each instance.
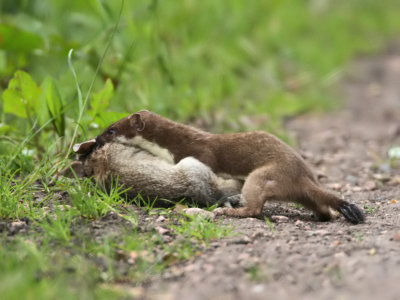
(83, 104)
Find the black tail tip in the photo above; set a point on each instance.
(351, 212)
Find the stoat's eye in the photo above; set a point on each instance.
(111, 131)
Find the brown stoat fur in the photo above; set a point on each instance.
(271, 169)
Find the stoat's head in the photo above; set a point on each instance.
(128, 127)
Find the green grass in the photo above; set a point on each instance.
(38, 272)
(225, 66)
(57, 255)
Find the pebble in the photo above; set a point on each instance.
(258, 289)
(160, 219)
(321, 232)
(299, 223)
(133, 255)
(381, 177)
(335, 186)
(214, 245)
(356, 189)
(394, 181)
(17, 226)
(396, 237)
(370, 185)
(280, 219)
(352, 179)
(340, 255)
(194, 211)
(161, 230)
(241, 240)
(257, 234)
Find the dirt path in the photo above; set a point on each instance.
(295, 257)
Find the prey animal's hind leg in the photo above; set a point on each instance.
(259, 187)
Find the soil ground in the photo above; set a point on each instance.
(296, 257)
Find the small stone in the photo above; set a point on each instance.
(17, 226)
(160, 219)
(381, 177)
(194, 211)
(257, 234)
(241, 240)
(133, 255)
(335, 186)
(394, 181)
(299, 223)
(370, 186)
(356, 189)
(321, 232)
(258, 289)
(161, 230)
(214, 245)
(279, 219)
(340, 255)
(396, 237)
(352, 179)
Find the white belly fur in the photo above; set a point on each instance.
(151, 147)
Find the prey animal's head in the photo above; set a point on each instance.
(128, 127)
(77, 168)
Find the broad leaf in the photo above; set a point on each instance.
(101, 99)
(14, 39)
(21, 96)
(55, 106)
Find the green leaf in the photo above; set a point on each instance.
(106, 118)
(55, 106)
(101, 99)
(14, 39)
(21, 96)
(13, 103)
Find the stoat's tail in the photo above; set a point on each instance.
(351, 212)
(322, 199)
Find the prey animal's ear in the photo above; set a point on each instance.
(85, 147)
(76, 169)
(136, 121)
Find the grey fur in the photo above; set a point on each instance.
(152, 176)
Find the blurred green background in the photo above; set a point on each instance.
(221, 65)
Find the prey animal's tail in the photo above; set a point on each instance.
(322, 200)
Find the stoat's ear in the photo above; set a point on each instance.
(85, 147)
(75, 169)
(136, 121)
